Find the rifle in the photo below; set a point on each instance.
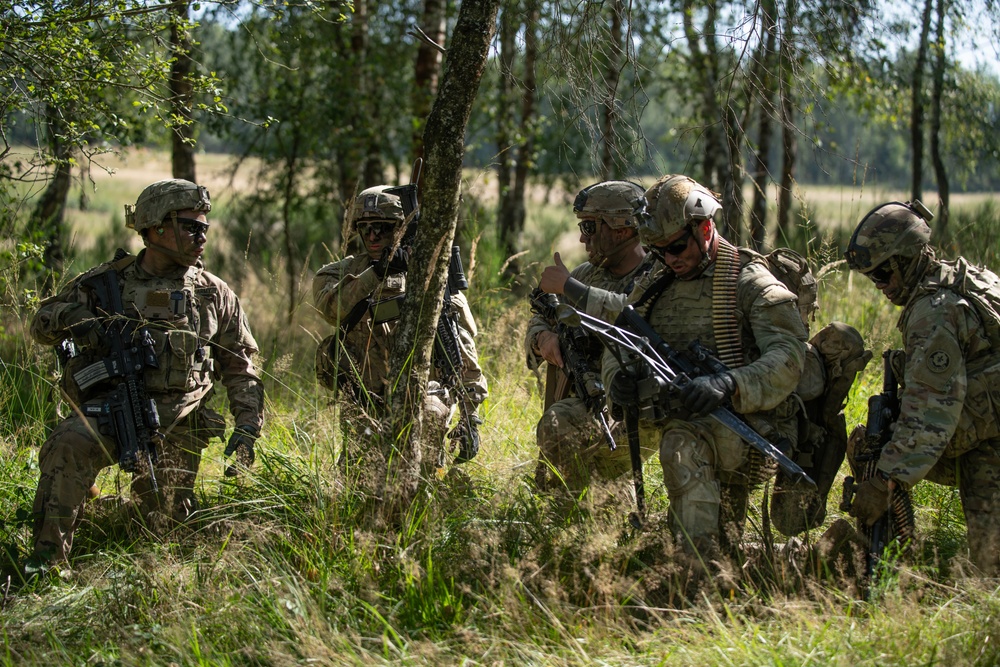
(897, 524)
(639, 348)
(128, 415)
(451, 365)
(582, 374)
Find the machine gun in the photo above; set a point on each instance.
(643, 353)
(450, 363)
(582, 374)
(897, 524)
(127, 414)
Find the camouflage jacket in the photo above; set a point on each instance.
(339, 286)
(951, 369)
(605, 299)
(771, 330)
(198, 338)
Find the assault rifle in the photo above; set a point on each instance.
(643, 353)
(450, 363)
(897, 524)
(583, 375)
(128, 414)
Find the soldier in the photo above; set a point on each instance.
(198, 331)
(948, 429)
(570, 441)
(726, 298)
(355, 294)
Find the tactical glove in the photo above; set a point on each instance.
(871, 500)
(396, 262)
(468, 439)
(624, 390)
(241, 442)
(86, 329)
(706, 393)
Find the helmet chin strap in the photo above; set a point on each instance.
(177, 256)
(707, 255)
(615, 250)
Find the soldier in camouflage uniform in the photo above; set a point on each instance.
(726, 298)
(200, 333)
(570, 443)
(361, 364)
(948, 429)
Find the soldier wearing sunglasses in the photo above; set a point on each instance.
(194, 326)
(726, 298)
(948, 429)
(572, 447)
(360, 295)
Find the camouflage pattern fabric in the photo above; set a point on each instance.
(336, 288)
(949, 424)
(700, 459)
(569, 441)
(199, 336)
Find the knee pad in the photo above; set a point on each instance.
(687, 461)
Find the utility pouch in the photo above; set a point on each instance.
(386, 310)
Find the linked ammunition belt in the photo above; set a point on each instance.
(725, 326)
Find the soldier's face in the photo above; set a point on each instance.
(890, 284)
(184, 243)
(376, 236)
(682, 252)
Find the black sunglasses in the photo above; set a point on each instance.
(380, 228)
(588, 227)
(881, 273)
(192, 226)
(676, 248)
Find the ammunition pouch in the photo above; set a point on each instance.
(980, 418)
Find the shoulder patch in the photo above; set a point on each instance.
(939, 361)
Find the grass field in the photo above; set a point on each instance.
(277, 571)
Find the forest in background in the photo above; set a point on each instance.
(314, 101)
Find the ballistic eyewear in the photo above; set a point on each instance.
(676, 247)
(193, 227)
(380, 228)
(881, 273)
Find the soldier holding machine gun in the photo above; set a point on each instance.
(727, 299)
(361, 295)
(143, 340)
(948, 425)
(576, 437)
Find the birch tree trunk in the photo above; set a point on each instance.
(444, 145)
(917, 112)
(181, 96)
(937, 92)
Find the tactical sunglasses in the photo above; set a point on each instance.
(588, 227)
(676, 248)
(192, 226)
(380, 228)
(881, 273)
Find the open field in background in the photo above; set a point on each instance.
(276, 573)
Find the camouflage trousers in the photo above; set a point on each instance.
(572, 448)
(977, 476)
(705, 470)
(75, 453)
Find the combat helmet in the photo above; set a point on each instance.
(162, 198)
(673, 204)
(376, 205)
(889, 230)
(617, 203)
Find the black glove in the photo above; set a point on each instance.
(86, 329)
(871, 500)
(706, 393)
(241, 443)
(468, 439)
(396, 262)
(624, 390)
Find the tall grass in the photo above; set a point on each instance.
(276, 570)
